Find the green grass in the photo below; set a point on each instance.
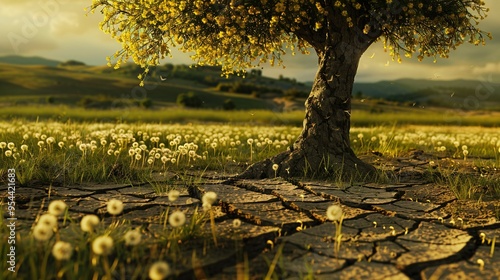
(35, 259)
(165, 115)
(173, 114)
(130, 152)
(72, 152)
(409, 116)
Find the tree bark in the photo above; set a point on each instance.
(323, 148)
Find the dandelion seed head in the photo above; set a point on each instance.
(334, 212)
(133, 237)
(275, 167)
(48, 220)
(115, 206)
(62, 250)
(57, 207)
(42, 232)
(102, 245)
(89, 222)
(82, 147)
(480, 262)
(236, 223)
(177, 219)
(159, 270)
(209, 198)
(173, 195)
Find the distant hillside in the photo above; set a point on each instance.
(36, 80)
(103, 88)
(457, 94)
(24, 60)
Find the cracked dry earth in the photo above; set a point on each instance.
(409, 230)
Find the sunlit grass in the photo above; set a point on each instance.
(69, 153)
(130, 254)
(359, 118)
(66, 153)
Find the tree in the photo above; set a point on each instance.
(228, 105)
(239, 35)
(190, 100)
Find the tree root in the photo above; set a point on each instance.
(296, 164)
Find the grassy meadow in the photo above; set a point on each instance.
(68, 153)
(76, 152)
(50, 137)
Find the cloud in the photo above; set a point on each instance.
(488, 68)
(60, 29)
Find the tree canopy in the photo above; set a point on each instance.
(241, 34)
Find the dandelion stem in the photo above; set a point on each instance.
(106, 267)
(212, 226)
(272, 267)
(492, 249)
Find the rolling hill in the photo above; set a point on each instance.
(38, 84)
(33, 60)
(35, 80)
(455, 94)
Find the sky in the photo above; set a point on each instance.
(62, 30)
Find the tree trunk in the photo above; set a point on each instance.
(323, 148)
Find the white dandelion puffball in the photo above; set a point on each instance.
(133, 237)
(89, 222)
(57, 207)
(159, 270)
(334, 213)
(236, 223)
(42, 232)
(115, 206)
(209, 198)
(62, 251)
(48, 220)
(102, 245)
(177, 219)
(173, 195)
(275, 167)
